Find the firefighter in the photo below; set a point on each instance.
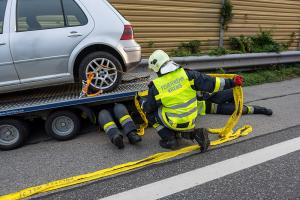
(129, 129)
(172, 105)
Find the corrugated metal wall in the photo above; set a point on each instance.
(165, 24)
(280, 16)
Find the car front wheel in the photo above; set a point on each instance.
(106, 68)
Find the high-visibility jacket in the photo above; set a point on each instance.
(178, 99)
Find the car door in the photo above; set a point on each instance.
(46, 32)
(8, 74)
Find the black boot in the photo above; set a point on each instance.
(169, 144)
(201, 137)
(262, 110)
(118, 141)
(188, 135)
(134, 138)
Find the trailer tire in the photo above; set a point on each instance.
(107, 78)
(13, 133)
(63, 125)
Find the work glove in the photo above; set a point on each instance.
(238, 80)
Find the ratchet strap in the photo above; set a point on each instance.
(85, 87)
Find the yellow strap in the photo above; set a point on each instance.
(245, 130)
(141, 130)
(108, 125)
(222, 75)
(111, 171)
(226, 133)
(124, 118)
(217, 85)
(97, 175)
(143, 93)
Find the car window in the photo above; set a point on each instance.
(2, 11)
(39, 15)
(74, 15)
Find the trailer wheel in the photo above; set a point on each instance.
(13, 133)
(63, 125)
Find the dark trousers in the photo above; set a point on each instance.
(221, 103)
(115, 120)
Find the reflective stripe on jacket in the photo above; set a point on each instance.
(178, 99)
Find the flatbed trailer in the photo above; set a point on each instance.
(61, 108)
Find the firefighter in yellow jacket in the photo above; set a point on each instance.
(171, 105)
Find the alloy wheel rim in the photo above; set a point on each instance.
(105, 73)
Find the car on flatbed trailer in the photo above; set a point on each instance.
(52, 42)
(61, 108)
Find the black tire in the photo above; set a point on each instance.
(100, 55)
(68, 128)
(18, 131)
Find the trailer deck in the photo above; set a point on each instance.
(68, 95)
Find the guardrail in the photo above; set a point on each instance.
(202, 63)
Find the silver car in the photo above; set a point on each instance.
(52, 42)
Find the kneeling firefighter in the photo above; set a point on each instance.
(172, 106)
(129, 129)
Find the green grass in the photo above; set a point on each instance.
(273, 74)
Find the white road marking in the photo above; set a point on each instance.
(203, 175)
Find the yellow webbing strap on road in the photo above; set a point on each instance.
(97, 175)
(226, 134)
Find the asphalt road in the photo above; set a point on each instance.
(47, 160)
(276, 179)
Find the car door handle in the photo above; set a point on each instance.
(2, 43)
(74, 34)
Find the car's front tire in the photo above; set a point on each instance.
(106, 68)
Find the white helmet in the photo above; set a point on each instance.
(157, 60)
